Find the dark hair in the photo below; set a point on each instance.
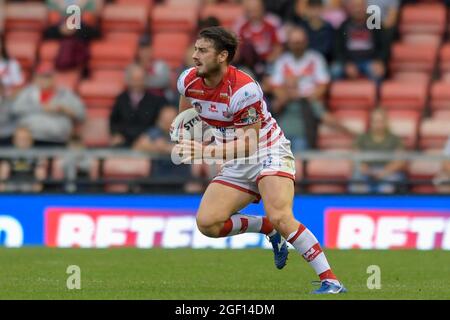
(222, 39)
(210, 21)
(145, 40)
(315, 3)
(3, 51)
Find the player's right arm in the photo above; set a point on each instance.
(184, 104)
(183, 81)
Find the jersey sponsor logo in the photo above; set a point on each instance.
(225, 132)
(104, 228)
(213, 108)
(247, 97)
(199, 92)
(223, 96)
(191, 123)
(387, 229)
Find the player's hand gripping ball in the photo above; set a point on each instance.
(188, 126)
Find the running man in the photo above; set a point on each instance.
(232, 103)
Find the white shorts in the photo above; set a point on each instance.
(276, 161)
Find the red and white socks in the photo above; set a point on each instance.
(307, 245)
(302, 240)
(241, 223)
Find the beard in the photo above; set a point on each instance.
(210, 70)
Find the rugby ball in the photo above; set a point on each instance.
(188, 125)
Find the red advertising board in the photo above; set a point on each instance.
(386, 229)
(105, 228)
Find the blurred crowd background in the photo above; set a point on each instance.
(332, 83)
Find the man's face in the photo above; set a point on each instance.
(357, 9)
(45, 81)
(206, 59)
(378, 122)
(314, 12)
(137, 79)
(166, 117)
(297, 42)
(145, 53)
(254, 9)
(23, 139)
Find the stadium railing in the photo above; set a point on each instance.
(98, 183)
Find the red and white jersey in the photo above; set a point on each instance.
(236, 102)
(264, 35)
(310, 70)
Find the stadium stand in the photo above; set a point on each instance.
(358, 95)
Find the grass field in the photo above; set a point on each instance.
(40, 273)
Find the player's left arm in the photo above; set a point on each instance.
(245, 145)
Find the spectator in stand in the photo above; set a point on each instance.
(389, 16)
(299, 83)
(248, 60)
(77, 166)
(2, 16)
(49, 111)
(359, 50)
(73, 53)
(334, 12)
(262, 30)
(378, 176)
(7, 121)
(157, 78)
(22, 174)
(157, 140)
(281, 8)
(446, 2)
(60, 6)
(320, 33)
(10, 71)
(442, 179)
(135, 109)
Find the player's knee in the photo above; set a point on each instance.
(278, 218)
(276, 205)
(208, 227)
(279, 213)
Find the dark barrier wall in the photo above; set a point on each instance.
(146, 221)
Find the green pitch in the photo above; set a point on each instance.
(40, 273)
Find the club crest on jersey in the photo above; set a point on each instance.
(213, 108)
(250, 117)
(197, 107)
(227, 114)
